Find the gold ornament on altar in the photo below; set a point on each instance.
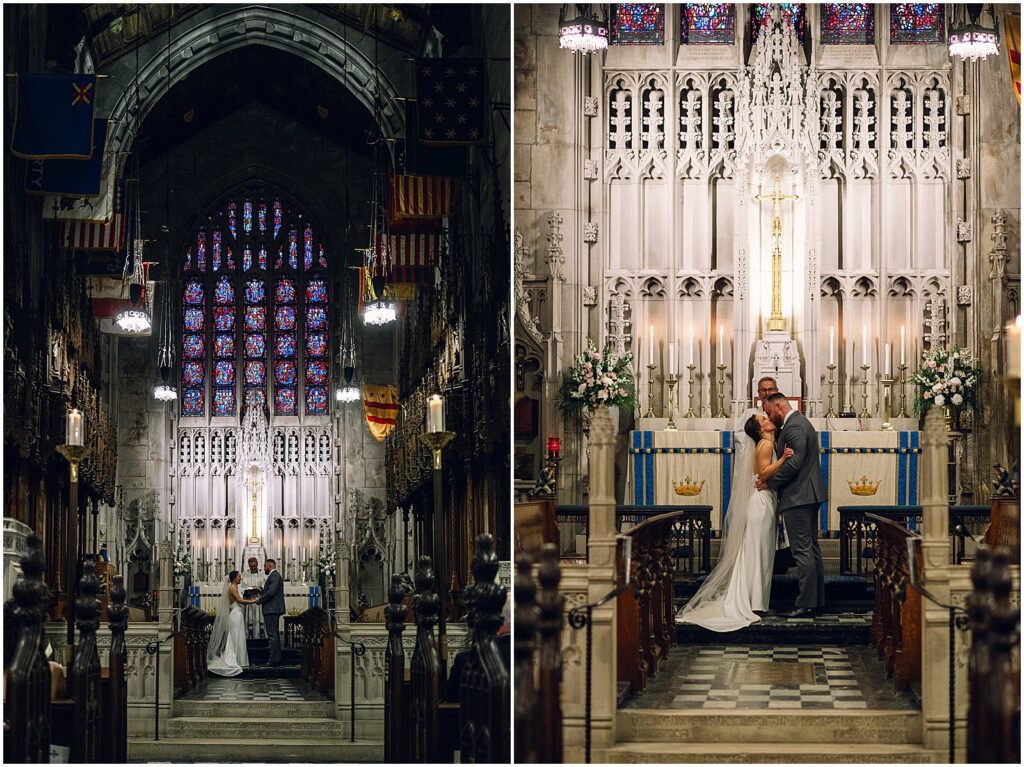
(688, 486)
(863, 486)
(293, 611)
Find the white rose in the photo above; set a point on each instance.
(957, 399)
(937, 387)
(940, 400)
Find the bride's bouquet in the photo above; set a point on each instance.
(598, 378)
(946, 377)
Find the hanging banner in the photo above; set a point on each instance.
(380, 403)
(53, 117)
(419, 201)
(451, 94)
(1011, 23)
(72, 178)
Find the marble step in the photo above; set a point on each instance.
(241, 724)
(257, 749)
(646, 726)
(292, 709)
(765, 753)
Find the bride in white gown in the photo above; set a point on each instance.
(227, 654)
(741, 582)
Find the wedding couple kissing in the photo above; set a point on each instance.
(227, 653)
(776, 469)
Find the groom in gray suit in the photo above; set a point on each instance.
(272, 602)
(801, 490)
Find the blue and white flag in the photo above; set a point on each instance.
(53, 117)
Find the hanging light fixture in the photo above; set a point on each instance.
(165, 391)
(349, 392)
(585, 33)
(972, 40)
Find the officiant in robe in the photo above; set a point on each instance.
(253, 578)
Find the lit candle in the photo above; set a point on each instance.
(832, 345)
(554, 447)
(864, 342)
(650, 345)
(1013, 349)
(690, 362)
(888, 362)
(903, 344)
(435, 413)
(721, 345)
(74, 436)
(671, 358)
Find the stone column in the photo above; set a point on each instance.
(165, 551)
(600, 581)
(937, 576)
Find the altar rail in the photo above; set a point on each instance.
(420, 725)
(858, 536)
(646, 628)
(91, 722)
(896, 625)
(317, 649)
(538, 659)
(690, 532)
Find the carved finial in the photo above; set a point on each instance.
(30, 593)
(485, 598)
(426, 603)
(549, 600)
(394, 613)
(117, 611)
(86, 606)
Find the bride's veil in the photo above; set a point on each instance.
(706, 601)
(219, 634)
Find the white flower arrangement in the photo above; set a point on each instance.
(182, 563)
(325, 562)
(598, 378)
(946, 377)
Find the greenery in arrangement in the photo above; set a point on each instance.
(946, 377)
(325, 563)
(598, 378)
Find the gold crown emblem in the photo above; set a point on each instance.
(688, 486)
(863, 486)
(293, 611)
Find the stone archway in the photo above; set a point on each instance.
(283, 29)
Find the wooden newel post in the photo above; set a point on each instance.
(116, 732)
(426, 667)
(85, 674)
(484, 688)
(395, 704)
(549, 655)
(27, 709)
(526, 694)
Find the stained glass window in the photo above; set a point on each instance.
(916, 23)
(638, 24)
(848, 24)
(708, 24)
(240, 332)
(792, 14)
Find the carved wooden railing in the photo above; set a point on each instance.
(993, 717)
(426, 669)
(85, 670)
(317, 649)
(190, 648)
(646, 613)
(114, 743)
(538, 659)
(896, 626)
(27, 707)
(484, 704)
(396, 688)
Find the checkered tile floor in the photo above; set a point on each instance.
(254, 690)
(765, 677)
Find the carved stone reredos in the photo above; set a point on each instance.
(775, 103)
(255, 447)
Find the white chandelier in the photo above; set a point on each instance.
(584, 34)
(133, 320)
(349, 392)
(972, 40)
(165, 393)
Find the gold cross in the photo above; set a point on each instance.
(776, 321)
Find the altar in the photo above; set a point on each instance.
(861, 467)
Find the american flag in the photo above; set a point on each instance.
(450, 94)
(413, 255)
(97, 235)
(419, 201)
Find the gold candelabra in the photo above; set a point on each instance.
(650, 391)
(887, 403)
(721, 392)
(903, 392)
(864, 396)
(689, 413)
(831, 394)
(672, 381)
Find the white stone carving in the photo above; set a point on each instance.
(964, 295)
(964, 231)
(589, 295)
(555, 259)
(591, 169)
(526, 319)
(619, 327)
(997, 258)
(590, 105)
(590, 232)
(963, 105)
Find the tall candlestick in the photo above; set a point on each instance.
(903, 344)
(671, 358)
(435, 413)
(864, 343)
(1013, 348)
(74, 435)
(888, 361)
(832, 345)
(650, 345)
(689, 359)
(721, 343)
